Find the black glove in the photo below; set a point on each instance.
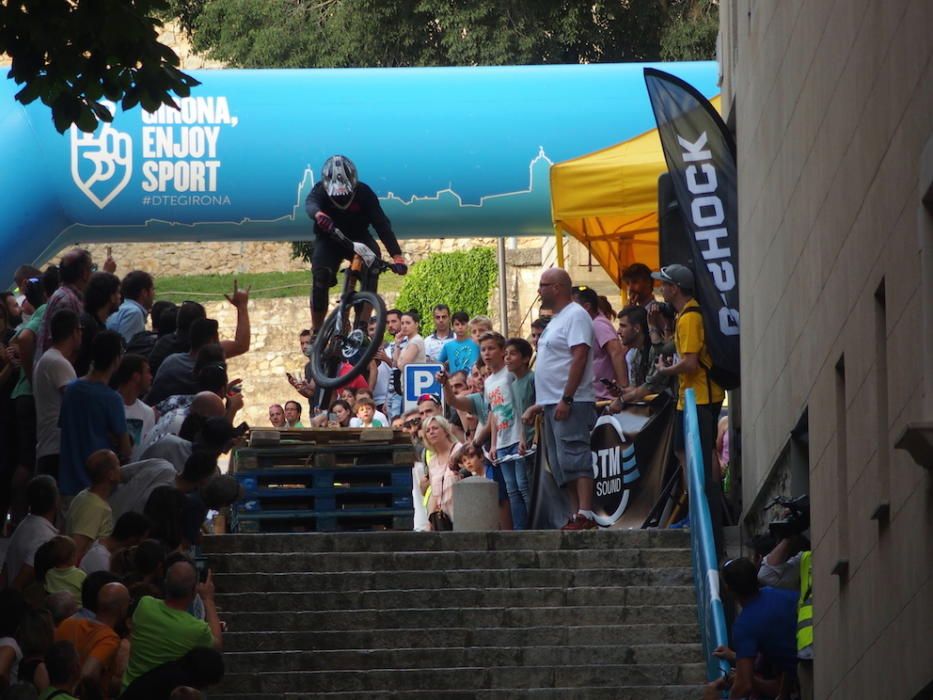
(399, 268)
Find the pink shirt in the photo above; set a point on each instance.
(603, 332)
(442, 483)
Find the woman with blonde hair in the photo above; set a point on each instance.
(440, 478)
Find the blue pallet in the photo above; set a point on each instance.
(326, 499)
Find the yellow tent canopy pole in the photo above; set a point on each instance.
(608, 200)
(559, 240)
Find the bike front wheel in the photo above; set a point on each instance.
(338, 342)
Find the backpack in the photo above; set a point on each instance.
(724, 376)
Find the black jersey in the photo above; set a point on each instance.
(364, 211)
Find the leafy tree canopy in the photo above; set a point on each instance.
(72, 54)
(354, 33)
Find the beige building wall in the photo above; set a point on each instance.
(832, 103)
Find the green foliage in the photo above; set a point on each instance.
(265, 285)
(462, 280)
(73, 55)
(303, 250)
(352, 33)
(691, 32)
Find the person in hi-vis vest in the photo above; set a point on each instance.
(805, 628)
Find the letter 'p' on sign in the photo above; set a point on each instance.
(419, 380)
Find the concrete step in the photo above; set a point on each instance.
(456, 657)
(630, 692)
(466, 597)
(684, 631)
(376, 619)
(296, 582)
(439, 541)
(477, 678)
(289, 562)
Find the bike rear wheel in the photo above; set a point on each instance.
(338, 342)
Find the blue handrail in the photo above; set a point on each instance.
(703, 547)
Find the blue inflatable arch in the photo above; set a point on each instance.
(450, 151)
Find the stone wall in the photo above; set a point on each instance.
(224, 258)
(274, 350)
(832, 108)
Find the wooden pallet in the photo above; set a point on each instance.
(318, 447)
(335, 436)
(323, 480)
(324, 499)
(323, 456)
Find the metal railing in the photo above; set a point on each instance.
(703, 547)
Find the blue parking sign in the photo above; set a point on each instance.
(419, 380)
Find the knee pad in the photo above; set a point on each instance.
(322, 279)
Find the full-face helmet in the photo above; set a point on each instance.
(339, 177)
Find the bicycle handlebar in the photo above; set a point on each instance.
(379, 265)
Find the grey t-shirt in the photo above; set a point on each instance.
(172, 449)
(137, 481)
(97, 558)
(175, 376)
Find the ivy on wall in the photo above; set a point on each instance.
(461, 279)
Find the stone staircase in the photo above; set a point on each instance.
(600, 614)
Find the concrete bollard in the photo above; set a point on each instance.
(476, 505)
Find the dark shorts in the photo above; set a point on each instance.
(707, 419)
(48, 465)
(568, 442)
(26, 431)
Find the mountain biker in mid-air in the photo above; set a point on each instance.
(340, 201)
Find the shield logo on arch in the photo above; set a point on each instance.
(615, 470)
(102, 162)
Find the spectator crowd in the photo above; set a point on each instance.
(115, 408)
(111, 434)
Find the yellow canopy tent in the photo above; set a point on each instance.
(608, 200)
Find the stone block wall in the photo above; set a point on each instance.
(833, 110)
(274, 350)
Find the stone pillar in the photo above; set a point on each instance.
(476, 505)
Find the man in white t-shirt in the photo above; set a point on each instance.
(434, 343)
(564, 391)
(35, 530)
(52, 373)
(133, 379)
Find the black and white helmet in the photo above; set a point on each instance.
(338, 174)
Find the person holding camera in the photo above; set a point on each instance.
(691, 369)
(788, 566)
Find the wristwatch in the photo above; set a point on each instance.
(568, 399)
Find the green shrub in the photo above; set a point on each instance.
(462, 280)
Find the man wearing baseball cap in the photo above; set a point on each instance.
(691, 367)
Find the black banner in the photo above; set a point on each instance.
(700, 155)
(630, 451)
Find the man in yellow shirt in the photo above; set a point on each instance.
(691, 367)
